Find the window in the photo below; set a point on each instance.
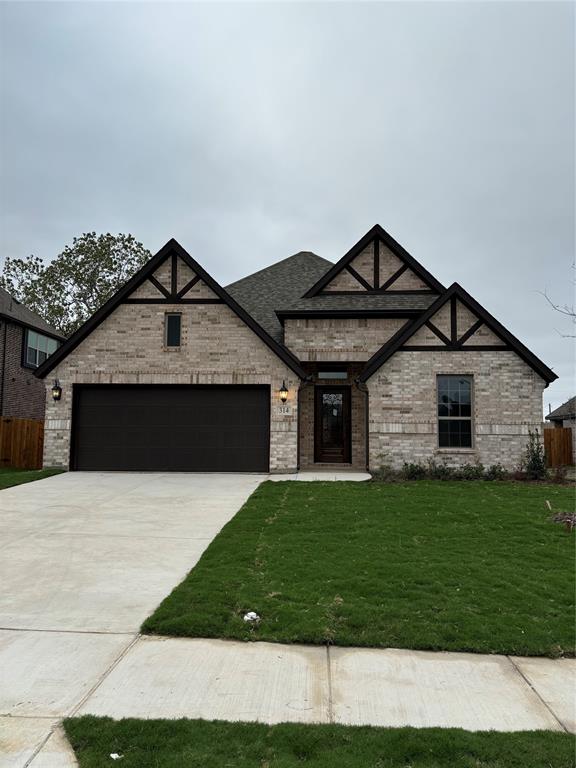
(173, 325)
(37, 348)
(332, 375)
(455, 411)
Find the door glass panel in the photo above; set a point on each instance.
(332, 418)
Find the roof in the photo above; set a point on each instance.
(173, 250)
(401, 303)
(12, 309)
(456, 291)
(278, 285)
(565, 411)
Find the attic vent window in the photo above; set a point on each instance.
(332, 374)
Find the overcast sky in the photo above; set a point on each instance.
(251, 131)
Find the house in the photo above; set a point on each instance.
(303, 364)
(25, 342)
(564, 415)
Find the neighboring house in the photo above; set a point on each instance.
(565, 416)
(25, 342)
(302, 364)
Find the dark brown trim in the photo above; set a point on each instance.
(347, 313)
(511, 342)
(453, 321)
(452, 348)
(380, 290)
(172, 300)
(174, 275)
(438, 333)
(377, 232)
(157, 284)
(394, 277)
(470, 332)
(143, 274)
(376, 264)
(357, 276)
(189, 285)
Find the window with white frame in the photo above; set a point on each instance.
(454, 411)
(37, 348)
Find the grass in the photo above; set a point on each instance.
(219, 744)
(457, 566)
(10, 476)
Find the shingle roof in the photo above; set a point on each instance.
(565, 411)
(363, 301)
(18, 312)
(278, 285)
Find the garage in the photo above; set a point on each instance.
(171, 428)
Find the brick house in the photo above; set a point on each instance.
(25, 342)
(303, 364)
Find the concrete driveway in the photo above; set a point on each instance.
(86, 557)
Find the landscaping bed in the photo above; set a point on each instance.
(10, 476)
(459, 566)
(213, 744)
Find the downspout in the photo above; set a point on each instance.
(3, 368)
(363, 388)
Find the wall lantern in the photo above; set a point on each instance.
(56, 390)
(283, 392)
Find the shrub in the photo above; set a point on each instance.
(470, 472)
(495, 472)
(439, 470)
(534, 463)
(412, 471)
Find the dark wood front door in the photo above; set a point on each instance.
(332, 425)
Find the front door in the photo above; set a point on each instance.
(332, 425)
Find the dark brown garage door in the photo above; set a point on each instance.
(171, 428)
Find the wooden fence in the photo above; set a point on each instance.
(21, 443)
(558, 446)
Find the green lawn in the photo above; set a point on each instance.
(10, 476)
(218, 744)
(462, 566)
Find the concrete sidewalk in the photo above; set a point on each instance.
(151, 677)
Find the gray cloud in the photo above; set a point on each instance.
(251, 131)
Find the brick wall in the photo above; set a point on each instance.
(22, 393)
(338, 339)
(217, 348)
(507, 400)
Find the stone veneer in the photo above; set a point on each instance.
(506, 397)
(339, 339)
(217, 348)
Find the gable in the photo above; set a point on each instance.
(456, 323)
(171, 277)
(376, 264)
(158, 285)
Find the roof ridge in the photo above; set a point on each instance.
(277, 263)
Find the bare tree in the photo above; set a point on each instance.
(567, 310)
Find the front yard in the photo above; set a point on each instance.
(473, 566)
(214, 744)
(10, 476)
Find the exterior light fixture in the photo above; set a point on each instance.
(283, 392)
(56, 391)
